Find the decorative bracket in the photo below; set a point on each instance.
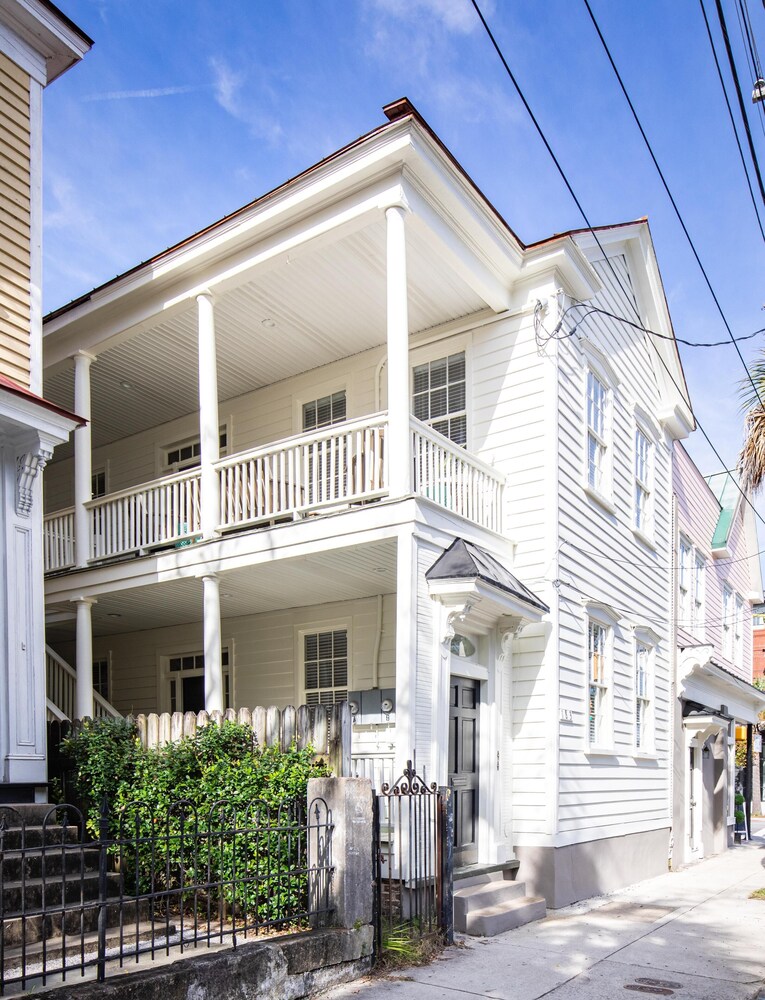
(28, 467)
(509, 628)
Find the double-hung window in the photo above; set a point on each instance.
(697, 597)
(598, 681)
(643, 664)
(597, 429)
(728, 617)
(325, 666)
(643, 482)
(326, 465)
(439, 396)
(685, 582)
(738, 632)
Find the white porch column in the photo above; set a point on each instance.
(209, 423)
(399, 461)
(84, 658)
(213, 659)
(82, 457)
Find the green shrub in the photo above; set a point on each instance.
(174, 811)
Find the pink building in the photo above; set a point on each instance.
(717, 581)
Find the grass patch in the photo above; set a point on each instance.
(403, 946)
(757, 894)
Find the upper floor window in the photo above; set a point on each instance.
(643, 665)
(738, 632)
(598, 681)
(643, 482)
(728, 617)
(439, 396)
(597, 428)
(697, 600)
(684, 582)
(324, 412)
(325, 667)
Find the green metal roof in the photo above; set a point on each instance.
(725, 488)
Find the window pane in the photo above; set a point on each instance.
(438, 403)
(457, 368)
(438, 373)
(421, 378)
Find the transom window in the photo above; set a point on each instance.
(324, 412)
(188, 454)
(643, 482)
(597, 446)
(439, 396)
(186, 685)
(598, 683)
(642, 695)
(325, 667)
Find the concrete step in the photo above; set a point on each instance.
(74, 921)
(53, 860)
(19, 838)
(32, 894)
(58, 951)
(481, 895)
(505, 916)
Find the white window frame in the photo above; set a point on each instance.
(443, 352)
(168, 468)
(318, 628)
(644, 477)
(167, 676)
(738, 631)
(107, 659)
(684, 581)
(316, 400)
(599, 684)
(728, 613)
(698, 594)
(100, 470)
(644, 696)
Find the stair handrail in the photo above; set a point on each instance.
(98, 700)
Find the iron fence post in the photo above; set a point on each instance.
(446, 863)
(103, 861)
(377, 873)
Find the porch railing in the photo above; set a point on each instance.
(342, 464)
(61, 691)
(58, 540)
(158, 513)
(452, 477)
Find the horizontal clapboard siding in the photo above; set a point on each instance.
(15, 224)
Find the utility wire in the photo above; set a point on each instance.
(607, 259)
(742, 106)
(732, 119)
(669, 193)
(750, 50)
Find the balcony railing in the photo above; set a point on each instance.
(340, 466)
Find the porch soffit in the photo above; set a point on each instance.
(701, 679)
(322, 578)
(325, 305)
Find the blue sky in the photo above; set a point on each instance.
(186, 109)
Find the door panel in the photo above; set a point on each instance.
(463, 766)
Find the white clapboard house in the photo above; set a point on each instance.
(353, 442)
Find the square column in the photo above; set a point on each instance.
(209, 421)
(399, 436)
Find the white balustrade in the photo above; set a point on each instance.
(144, 517)
(61, 690)
(449, 475)
(342, 464)
(58, 540)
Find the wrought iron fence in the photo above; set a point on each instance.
(153, 885)
(414, 834)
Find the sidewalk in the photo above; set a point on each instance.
(693, 934)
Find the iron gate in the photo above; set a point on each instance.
(414, 839)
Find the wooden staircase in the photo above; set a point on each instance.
(61, 691)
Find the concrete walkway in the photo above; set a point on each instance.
(692, 934)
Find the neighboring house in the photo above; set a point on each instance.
(346, 443)
(37, 44)
(717, 580)
(758, 641)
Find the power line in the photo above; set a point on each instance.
(578, 204)
(742, 106)
(732, 119)
(669, 193)
(750, 50)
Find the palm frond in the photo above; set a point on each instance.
(751, 462)
(751, 400)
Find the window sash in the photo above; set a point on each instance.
(643, 475)
(326, 667)
(439, 396)
(598, 681)
(642, 694)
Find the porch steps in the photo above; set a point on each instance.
(490, 901)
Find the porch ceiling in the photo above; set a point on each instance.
(339, 575)
(325, 302)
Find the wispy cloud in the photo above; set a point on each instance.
(455, 15)
(228, 88)
(127, 95)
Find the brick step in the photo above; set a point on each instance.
(23, 896)
(30, 863)
(482, 895)
(505, 916)
(74, 920)
(59, 951)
